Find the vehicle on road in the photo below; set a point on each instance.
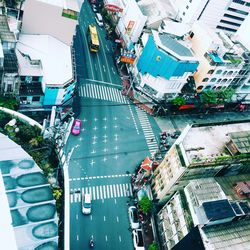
(86, 204)
(133, 217)
(93, 38)
(138, 239)
(98, 18)
(94, 8)
(76, 127)
(91, 242)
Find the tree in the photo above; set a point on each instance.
(9, 103)
(178, 101)
(209, 97)
(145, 205)
(225, 96)
(153, 246)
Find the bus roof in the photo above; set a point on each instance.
(93, 34)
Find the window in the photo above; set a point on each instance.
(183, 13)
(224, 28)
(210, 71)
(35, 78)
(187, 7)
(36, 99)
(234, 17)
(205, 80)
(9, 87)
(238, 11)
(213, 80)
(218, 72)
(231, 23)
(22, 78)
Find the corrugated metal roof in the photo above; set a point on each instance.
(173, 45)
(5, 34)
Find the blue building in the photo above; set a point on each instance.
(164, 66)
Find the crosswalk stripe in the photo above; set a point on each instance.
(121, 189)
(124, 189)
(118, 191)
(97, 192)
(101, 92)
(104, 192)
(108, 192)
(130, 188)
(111, 190)
(100, 188)
(93, 193)
(114, 187)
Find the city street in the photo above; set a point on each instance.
(115, 138)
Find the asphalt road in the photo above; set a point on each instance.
(115, 137)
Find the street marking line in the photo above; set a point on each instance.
(77, 237)
(106, 237)
(97, 192)
(93, 192)
(121, 190)
(108, 192)
(76, 216)
(104, 218)
(101, 197)
(114, 190)
(117, 218)
(104, 192)
(111, 191)
(120, 238)
(118, 192)
(124, 189)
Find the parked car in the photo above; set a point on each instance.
(94, 8)
(76, 127)
(138, 239)
(133, 217)
(86, 203)
(98, 18)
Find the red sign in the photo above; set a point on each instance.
(126, 59)
(113, 8)
(130, 27)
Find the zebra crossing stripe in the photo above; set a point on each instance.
(101, 92)
(108, 192)
(101, 197)
(97, 192)
(118, 191)
(114, 191)
(124, 189)
(104, 192)
(111, 190)
(93, 193)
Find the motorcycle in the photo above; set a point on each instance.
(91, 242)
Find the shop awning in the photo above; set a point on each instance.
(146, 164)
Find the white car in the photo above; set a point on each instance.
(133, 217)
(98, 19)
(138, 239)
(86, 203)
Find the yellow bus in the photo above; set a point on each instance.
(93, 38)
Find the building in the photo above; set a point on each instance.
(60, 21)
(194, 217)
(202, 152)
(221, 59)
(163, 67)
(227, 15)
(28, 210)
(46, 72)
(9, 80)
(130, 23)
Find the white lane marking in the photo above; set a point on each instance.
(93, 192)
(118, 192)
(106, 237)
(104, 218)
(115, 201)
(117, 218)
(113, 70)
(91, 217)
(120, 238)
(104, 68)
(76, 216)
(97, 192)
(77, 237)
(104, 192)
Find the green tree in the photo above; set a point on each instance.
(145, 205)
(178, 101)
(10, 103)
(153, 246)
(209, 97)
(224, 96)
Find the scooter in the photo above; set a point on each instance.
(91, 242)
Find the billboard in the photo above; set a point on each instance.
(112, 7)
(130, 27)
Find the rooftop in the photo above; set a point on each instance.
(172, 46)
(10, 62)
(234, 235)
(55, 58)
(206, 143)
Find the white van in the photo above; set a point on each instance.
(98, 19)
(86, 203)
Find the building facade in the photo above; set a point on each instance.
(221, 59)
(226, 15)
(164, 67)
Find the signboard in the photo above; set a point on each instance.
(130, 27)
(118, 40)
(127, 57)
(112, 7)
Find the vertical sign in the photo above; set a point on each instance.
(130, 27)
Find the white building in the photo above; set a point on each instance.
(45, 69)
(57, 18)
(225, 15)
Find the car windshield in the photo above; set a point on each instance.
(87, 205)
(76, 127)
(135, 216)
(140, 239)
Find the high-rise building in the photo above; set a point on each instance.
(225, 15)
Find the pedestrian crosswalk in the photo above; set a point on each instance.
(102, 93)
(102, 192)
(147, 130)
